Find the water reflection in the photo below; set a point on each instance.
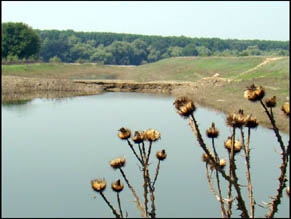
(24, 97)
(53, 148)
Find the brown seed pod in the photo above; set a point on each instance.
(286, 108)
(117, 162)
(139, 136)
(212, 132)
(222, 163)
(124, 133)
(251, 122)
(152, 135)
(205, 158)
(161, 155)
(254, 93)
(98, 185)
(185, 106)
(237, 145)
(117, 186)
(236, 119)
(271, 102)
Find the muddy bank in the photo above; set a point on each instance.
(209, 92)
(174, 88)
(15, 88)
(131, 86)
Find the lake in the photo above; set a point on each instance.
(53, 148)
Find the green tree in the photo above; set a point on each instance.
(81, 51)
(72, 40)
(55, 47)
(121, 52)
(175, 51)
(254, 50)
(283, 52)
(203, 51)
(18, 39)
(190, 50)
(139, 52)
(100, 55)
(154, 55)
(55, 59)
(125, 49)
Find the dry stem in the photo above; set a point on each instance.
(246, 148)
(109, 204)
(138, 204)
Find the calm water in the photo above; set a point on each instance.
(52, 148)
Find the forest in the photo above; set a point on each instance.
(121, 48)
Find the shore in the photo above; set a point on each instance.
(207, 92)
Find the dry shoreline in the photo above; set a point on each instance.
(15, 88)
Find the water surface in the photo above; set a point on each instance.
(52, 148)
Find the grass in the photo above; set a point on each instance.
(278, 69)
(181, 68)
(192, 69)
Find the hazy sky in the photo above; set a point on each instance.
(264, 20)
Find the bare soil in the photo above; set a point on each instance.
(18, 88)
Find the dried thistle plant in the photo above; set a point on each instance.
(254, 93)
(141, 146)
(142, 153)
(238, 122)
(99, 185)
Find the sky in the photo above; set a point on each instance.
(249, 20)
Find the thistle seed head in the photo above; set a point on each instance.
(139, 136)
(271, 102)
(205, 158)
(237, 145)
(251, 122)
(236, 119)
(117, 186)
(254, 93)
(222, 163)
(212, 132)
(185, 106)
(98, 185)
(124, 133)
(286, 108)
(152, 135)
(117, 162)
(161, 155)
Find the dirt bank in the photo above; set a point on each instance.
(20, 88)
(175, 88)
(131, 86)
(15, 86)
(213, 92)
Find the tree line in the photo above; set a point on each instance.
(122, 49)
